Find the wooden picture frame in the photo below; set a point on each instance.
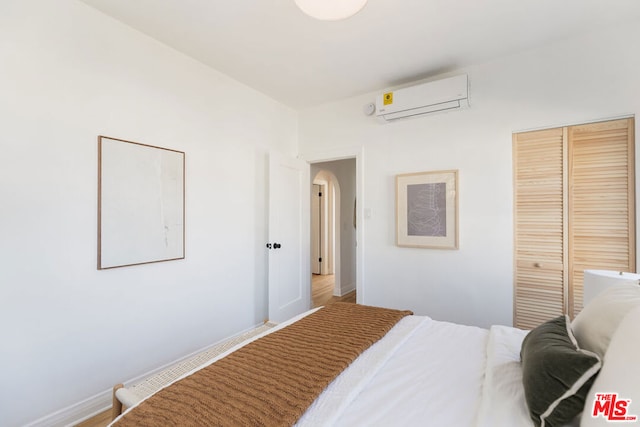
(427, 209)
(141, 208)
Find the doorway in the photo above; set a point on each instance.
(333, 232)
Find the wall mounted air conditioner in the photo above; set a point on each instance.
(441, 95)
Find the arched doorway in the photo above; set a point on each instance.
(333, 232)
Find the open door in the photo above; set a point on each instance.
(288, 246)
(316, 229)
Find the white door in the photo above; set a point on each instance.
(288, 246)
(316, 229)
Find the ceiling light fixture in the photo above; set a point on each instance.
(331, 10)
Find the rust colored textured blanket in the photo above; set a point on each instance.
(271, 381)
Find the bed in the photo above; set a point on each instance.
(421, 371)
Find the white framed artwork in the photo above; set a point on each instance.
(141, 205)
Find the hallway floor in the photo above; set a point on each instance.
(322, 291)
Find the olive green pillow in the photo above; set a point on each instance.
(556, 373)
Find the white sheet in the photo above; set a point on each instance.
(503, 402)
(434, 378)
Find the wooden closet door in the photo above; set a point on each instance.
(540, 226)
(601, 202)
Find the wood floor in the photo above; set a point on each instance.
(322, 291)
(322, 294)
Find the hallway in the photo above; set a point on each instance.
(322, 291)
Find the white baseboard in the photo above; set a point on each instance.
(345, 290)
(92, 406)
(76, 413)
(349, 288)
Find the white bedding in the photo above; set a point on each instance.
(502, 402)
(429, 373)
(426, 372)
(434, 378)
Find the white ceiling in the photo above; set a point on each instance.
(273, 47)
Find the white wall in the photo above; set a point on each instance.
(68, 331)
(575, 81)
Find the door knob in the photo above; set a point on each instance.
(277, 246)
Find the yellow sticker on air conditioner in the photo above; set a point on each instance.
(387, 98)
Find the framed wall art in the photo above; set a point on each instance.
(427, 209)
(140, 203)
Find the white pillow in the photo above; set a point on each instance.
(597, 322)
(620, 375)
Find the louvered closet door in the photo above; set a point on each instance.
(601, 202)
(540, 226)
